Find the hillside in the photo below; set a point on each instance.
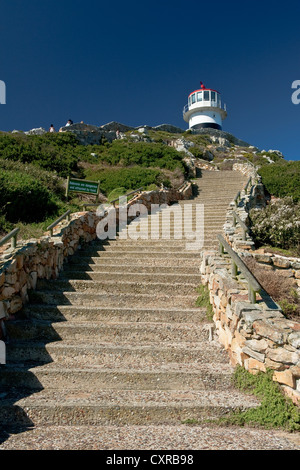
(34, 166)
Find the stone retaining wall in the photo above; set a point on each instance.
(256, 336)
(44, 258)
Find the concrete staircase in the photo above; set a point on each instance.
(118, 339)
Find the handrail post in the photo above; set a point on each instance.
(13, 235)
(14, 241)
(234, 269)
(238, 265)
(251, 294)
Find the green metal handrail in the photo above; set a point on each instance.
(125, 195)
(244, 227)
(13, 236)
(66, 215)
(237, 263)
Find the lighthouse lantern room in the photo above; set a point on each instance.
(204, 109)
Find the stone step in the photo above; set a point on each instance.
(139, 253)
(136, 277)
(125, 248)
(158, 241)
(207, 377)
(161, 300)
(114, 355)
(146, 250)
(121, 407)
(151, 245)
(111, 314)
(144, 261)
(85, 269)
(113, 287)
(174, 227)
(185, 211)
(122, 332)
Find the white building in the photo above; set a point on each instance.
(204, 109)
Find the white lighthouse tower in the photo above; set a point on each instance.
(204, 109)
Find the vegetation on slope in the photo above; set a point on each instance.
(282, 179)
(34, 169)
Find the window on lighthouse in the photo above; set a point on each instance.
(193, 98)
(206, 96)
(199, 96)
(213, 96)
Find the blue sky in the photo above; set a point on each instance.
(136, 62)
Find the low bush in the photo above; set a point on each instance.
(282, 179)
(24, 198)
(49, 179)
(144, 154)
(53, 152)
(274, 411)
(127, 178)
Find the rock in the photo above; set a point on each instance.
(256, 355)
(254, 366)
(114, 126)
(88, 134)
(294, 339)
(268, 331)
(38, 131)
(15, 304)
(281, 262)
(284, 377)
(257, 345)
(169, 128)
(283, 355)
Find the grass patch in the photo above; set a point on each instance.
(203, 301)
(290, 253)
(275, 410)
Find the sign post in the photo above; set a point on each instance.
(83, 186)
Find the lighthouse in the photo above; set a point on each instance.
(204, 109)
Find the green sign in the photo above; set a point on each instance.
(82, 186)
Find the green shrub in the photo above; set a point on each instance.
(274, 411)
(53, 152)
(282, 179)
(23, 198)
(156, 155)
(49, 179)
(127, 178)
